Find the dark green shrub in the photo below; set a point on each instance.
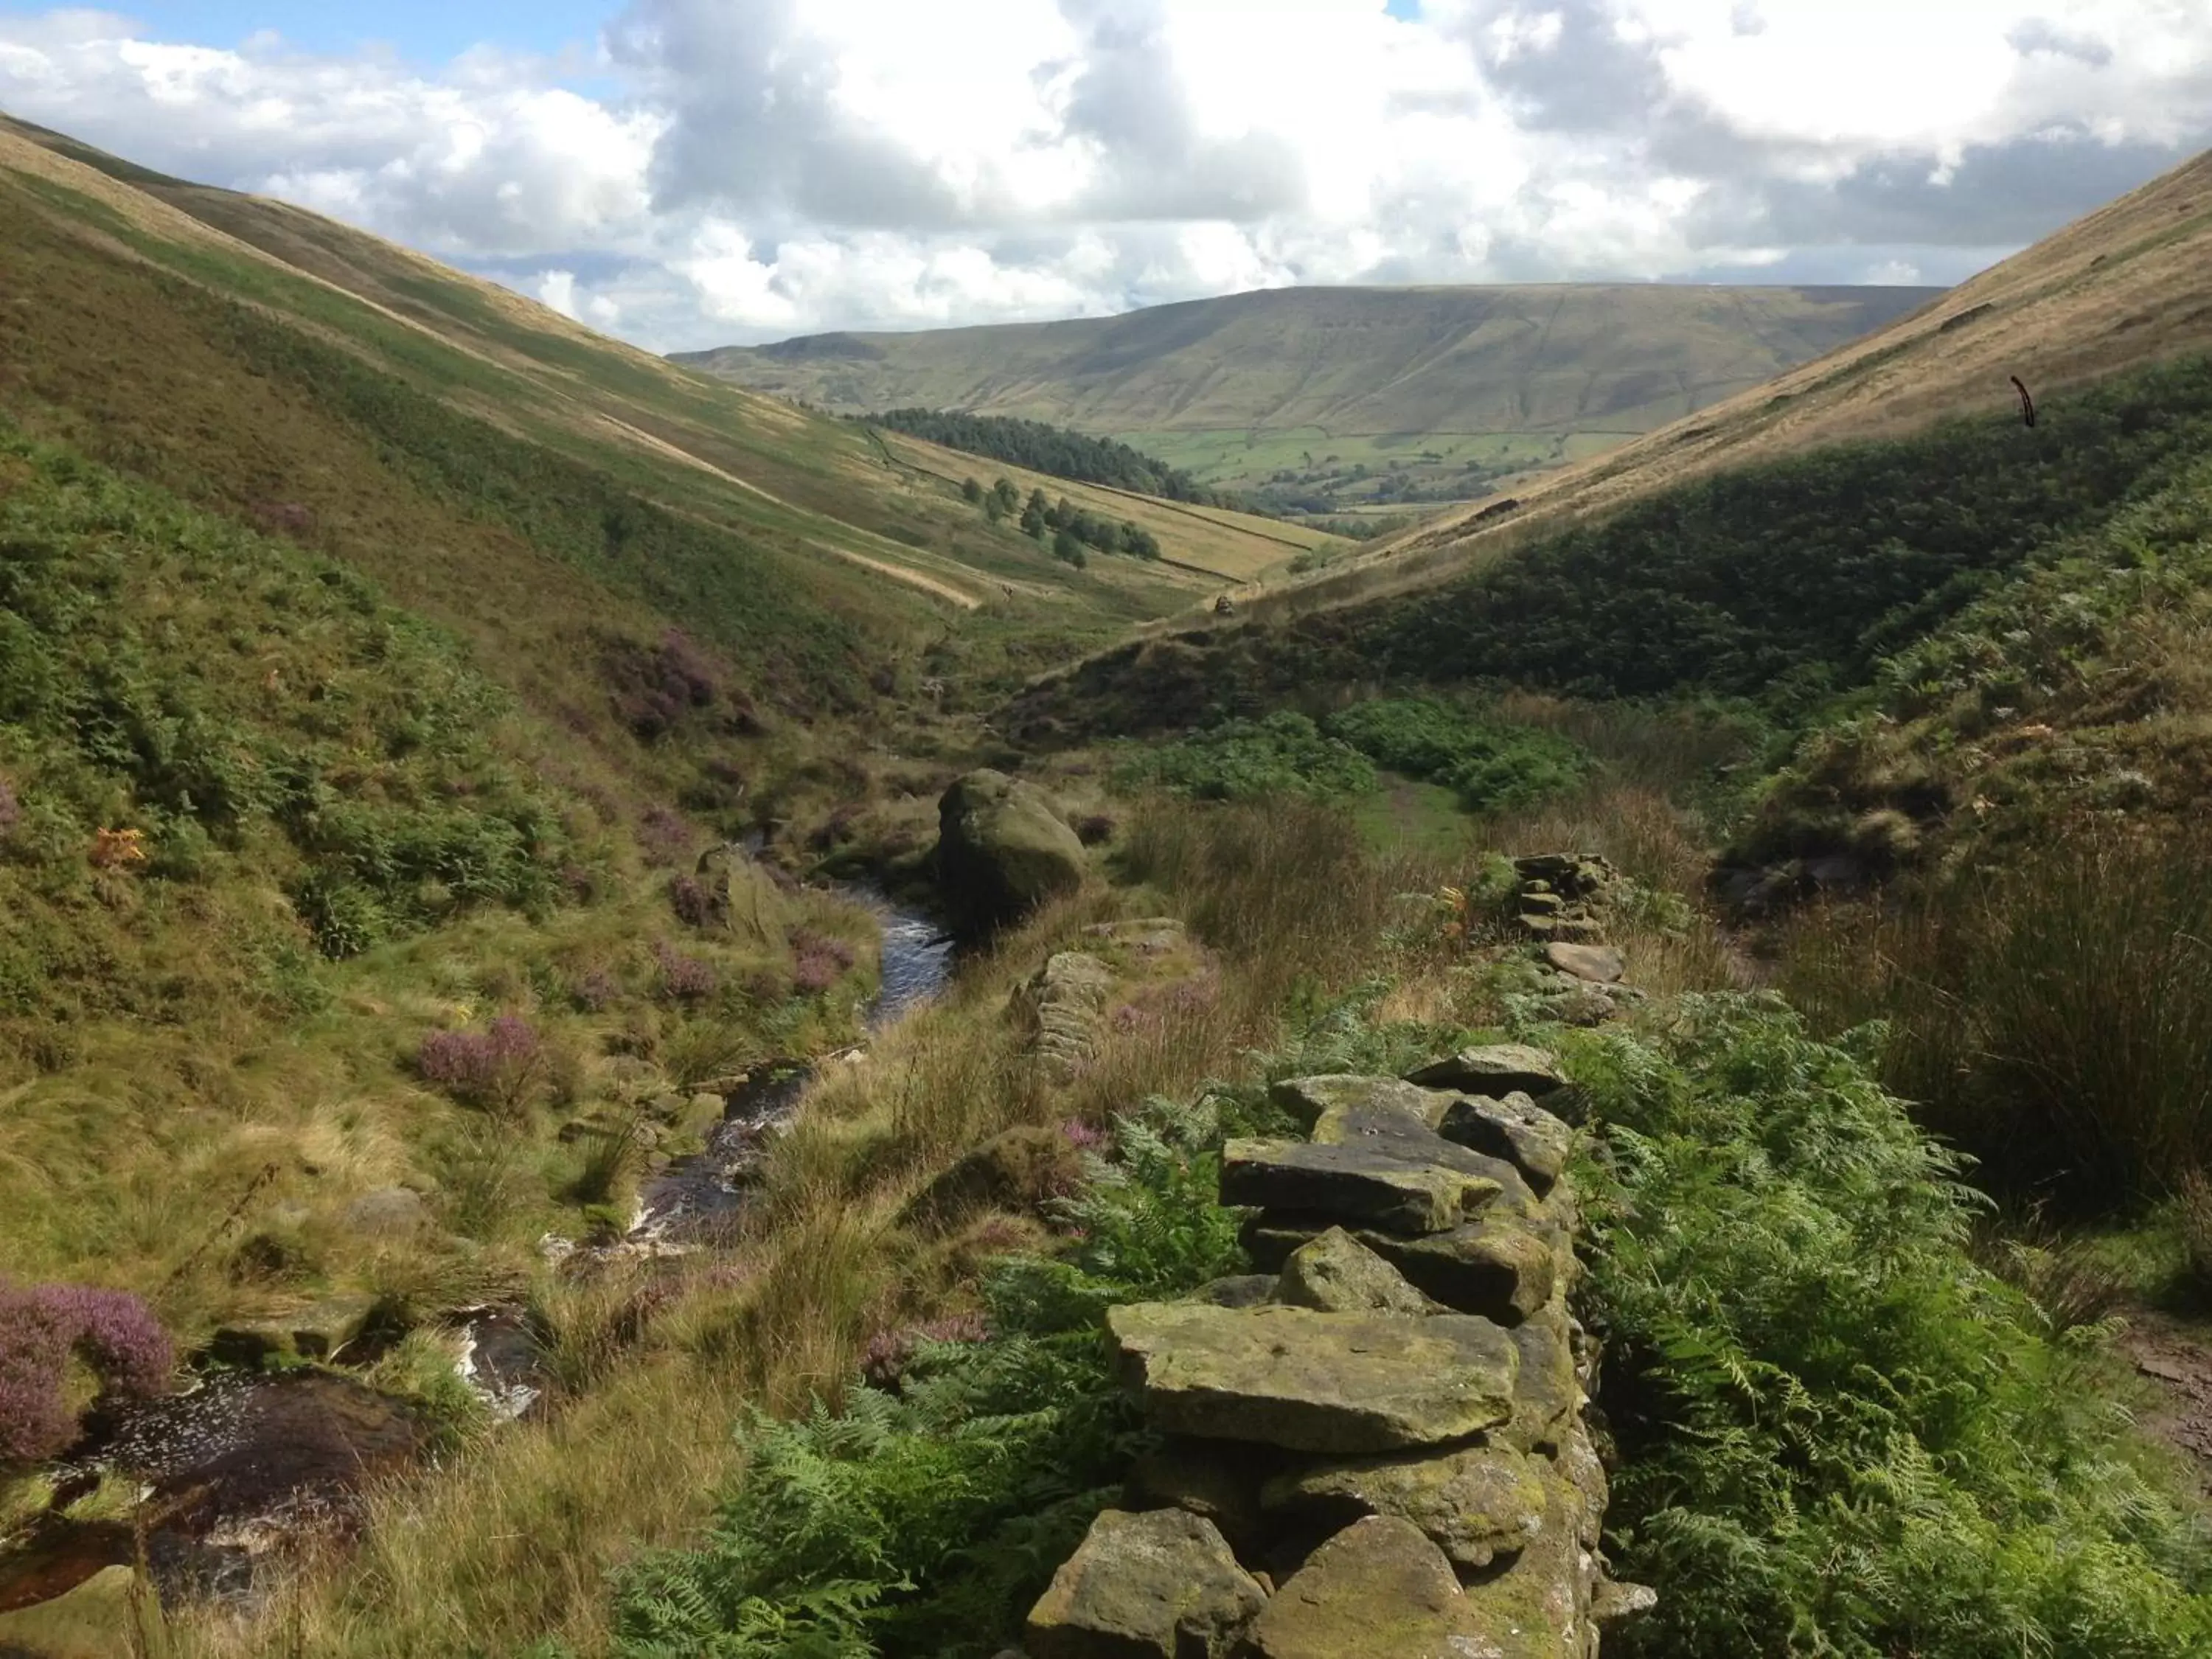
(1495, 765)
(1283, 754)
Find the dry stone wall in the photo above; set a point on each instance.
(1375, 1449)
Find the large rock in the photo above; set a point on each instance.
(1475, 1503)
(1379, 1589)
(1002, 850)
(1373, 1184)
(1515, 1128)
(1337, 1383)
(1336, 1273)
(1161, 1585)
(1493, 1068)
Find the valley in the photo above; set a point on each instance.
(634, 1022)
(1369, 404)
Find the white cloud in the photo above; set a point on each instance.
(748, 168)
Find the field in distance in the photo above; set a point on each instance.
(1335, 399)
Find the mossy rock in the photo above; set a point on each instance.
(1332, 1382)
(1159, 1585)
(1475, 1503)
(1002, 850)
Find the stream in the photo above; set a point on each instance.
(697, 1199)
(238, 1463)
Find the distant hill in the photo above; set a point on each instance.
(1335, 398)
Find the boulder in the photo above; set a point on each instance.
(1515, 1128)
(1308, 1099)
(1601, 964)
(1160, 1585)
(1379, 1589)
(1495, 1068)
(1376, 1185)
(1307, 1381)
(1002, 850)
(1475, 1503)
(1336, 1273)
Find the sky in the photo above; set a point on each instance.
(696, 172)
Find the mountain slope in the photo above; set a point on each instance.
(1243, 387)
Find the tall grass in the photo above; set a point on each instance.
(2054, 1019)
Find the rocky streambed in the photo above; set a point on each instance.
(244, 1461)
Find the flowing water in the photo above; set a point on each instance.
(697, 1198)
(239, 1464)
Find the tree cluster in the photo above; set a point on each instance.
(1041, 449)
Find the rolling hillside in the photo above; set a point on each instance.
(1347, 397)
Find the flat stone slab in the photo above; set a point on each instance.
(1515, 1128)
(1379, 1589)
(1336, 1273)
(1307, 1099)
(1159, 1585)
(1346, 1384)
(1378, 1185)
(1395, 1134)
(1495, 1267)
(1493, 1069)
(1601, 964)
(1475, 1505)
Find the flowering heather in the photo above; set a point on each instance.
(664, 836)
(43, 1328)
(1084, 1138)
(1158, 1006)
(686, 979)
(822, 960)
(885, 1357)
(691, 901)
(483, 1068)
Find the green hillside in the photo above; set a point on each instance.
(1343, 397)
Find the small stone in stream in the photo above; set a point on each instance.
(1336, 1273)
(1340, 1383)
(1475, 1503)
(1379, 1589)
(1370, 1184)
(1515, 1128)
(1308, 1099)
(1495, 1068)
(1601, 964)
(1160, 1585)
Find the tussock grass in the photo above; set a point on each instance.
(2052, 1017)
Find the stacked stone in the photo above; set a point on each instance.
(1556, 892)
(1376, 1449)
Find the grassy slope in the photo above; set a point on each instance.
(1239, 387)
(217, 412)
